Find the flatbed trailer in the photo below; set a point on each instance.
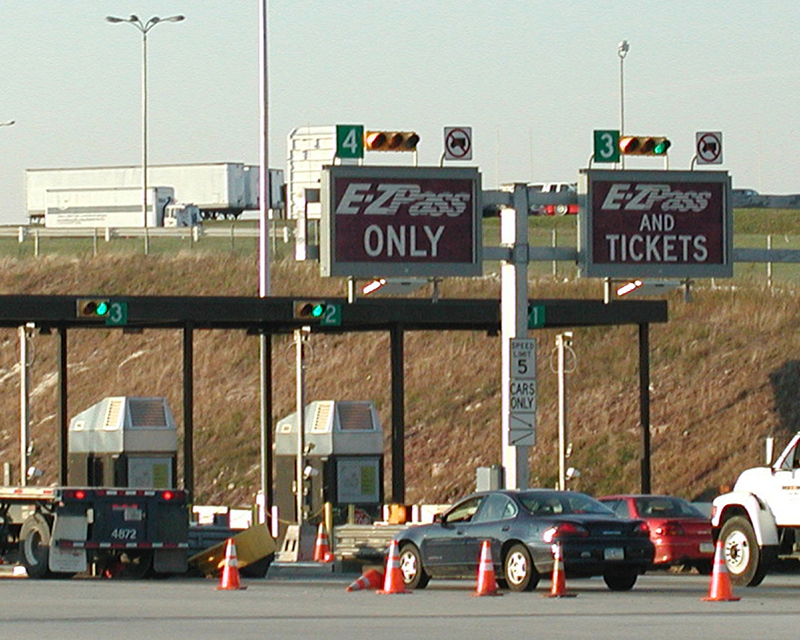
(70, 530)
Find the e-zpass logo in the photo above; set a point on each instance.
(386, 199)
(654, 197)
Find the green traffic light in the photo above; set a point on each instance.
(661, 147)
(102, 308)
(317, 310)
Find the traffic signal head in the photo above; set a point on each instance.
(644, 145)
(311, 310)
(92, 307)
(391, 141)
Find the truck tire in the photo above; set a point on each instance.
(34, 546)
(746, 562)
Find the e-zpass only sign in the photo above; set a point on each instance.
(400, 221)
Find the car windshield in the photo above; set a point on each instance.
(560, 502)
(665, 507)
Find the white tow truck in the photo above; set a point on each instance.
(759, 521)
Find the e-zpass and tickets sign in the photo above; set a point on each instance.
(673, 224)
(400, 221)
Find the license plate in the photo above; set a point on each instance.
(614, 553)
(706, 547)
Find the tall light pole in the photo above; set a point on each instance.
(144, 27)
(264, 285)
(622, 51)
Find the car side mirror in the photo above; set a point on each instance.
(438, 518)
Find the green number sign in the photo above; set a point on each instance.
(606, 146)
(536, 316)
(350, 140)
(332, 315)
(117, 314)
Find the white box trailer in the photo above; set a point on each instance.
(219, 190)
(71, 208)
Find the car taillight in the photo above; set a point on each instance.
(77, 494)
(167, 495)
(670, 529)
(641, 529)
(565, 530)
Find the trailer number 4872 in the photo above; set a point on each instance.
(123, 534)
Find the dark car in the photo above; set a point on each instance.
(523, 528)
(679, 531)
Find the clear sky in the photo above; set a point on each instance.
(532, 78)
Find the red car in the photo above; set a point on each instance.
(680, 532)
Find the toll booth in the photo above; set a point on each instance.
(123, 442)
(343, 460)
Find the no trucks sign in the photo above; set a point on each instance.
(668, 224)
(400, 221)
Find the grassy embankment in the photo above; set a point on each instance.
(725, 372)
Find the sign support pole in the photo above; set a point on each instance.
(513, 323)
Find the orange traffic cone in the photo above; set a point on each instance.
(393, 578)
(559, 588)
(230, 569)
(720, 588)
(322, 550)
(487, 584)
(370, 580)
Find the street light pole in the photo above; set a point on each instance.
(622, 51)
(144, 27)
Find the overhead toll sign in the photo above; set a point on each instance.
(669, 224)
(458, 143)
(380, 221)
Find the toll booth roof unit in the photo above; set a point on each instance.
(124, 424)
(333, 427)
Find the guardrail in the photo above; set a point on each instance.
(560, 250)
(108, 234)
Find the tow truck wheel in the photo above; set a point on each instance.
(743, 557)
(34, 546)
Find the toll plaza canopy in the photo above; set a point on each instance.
(277, 315)
(274, 315)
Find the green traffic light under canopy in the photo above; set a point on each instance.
(316, 310)
(102, 308)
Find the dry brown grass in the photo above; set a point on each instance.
(724, 371)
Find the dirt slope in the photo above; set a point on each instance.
(725, 373)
